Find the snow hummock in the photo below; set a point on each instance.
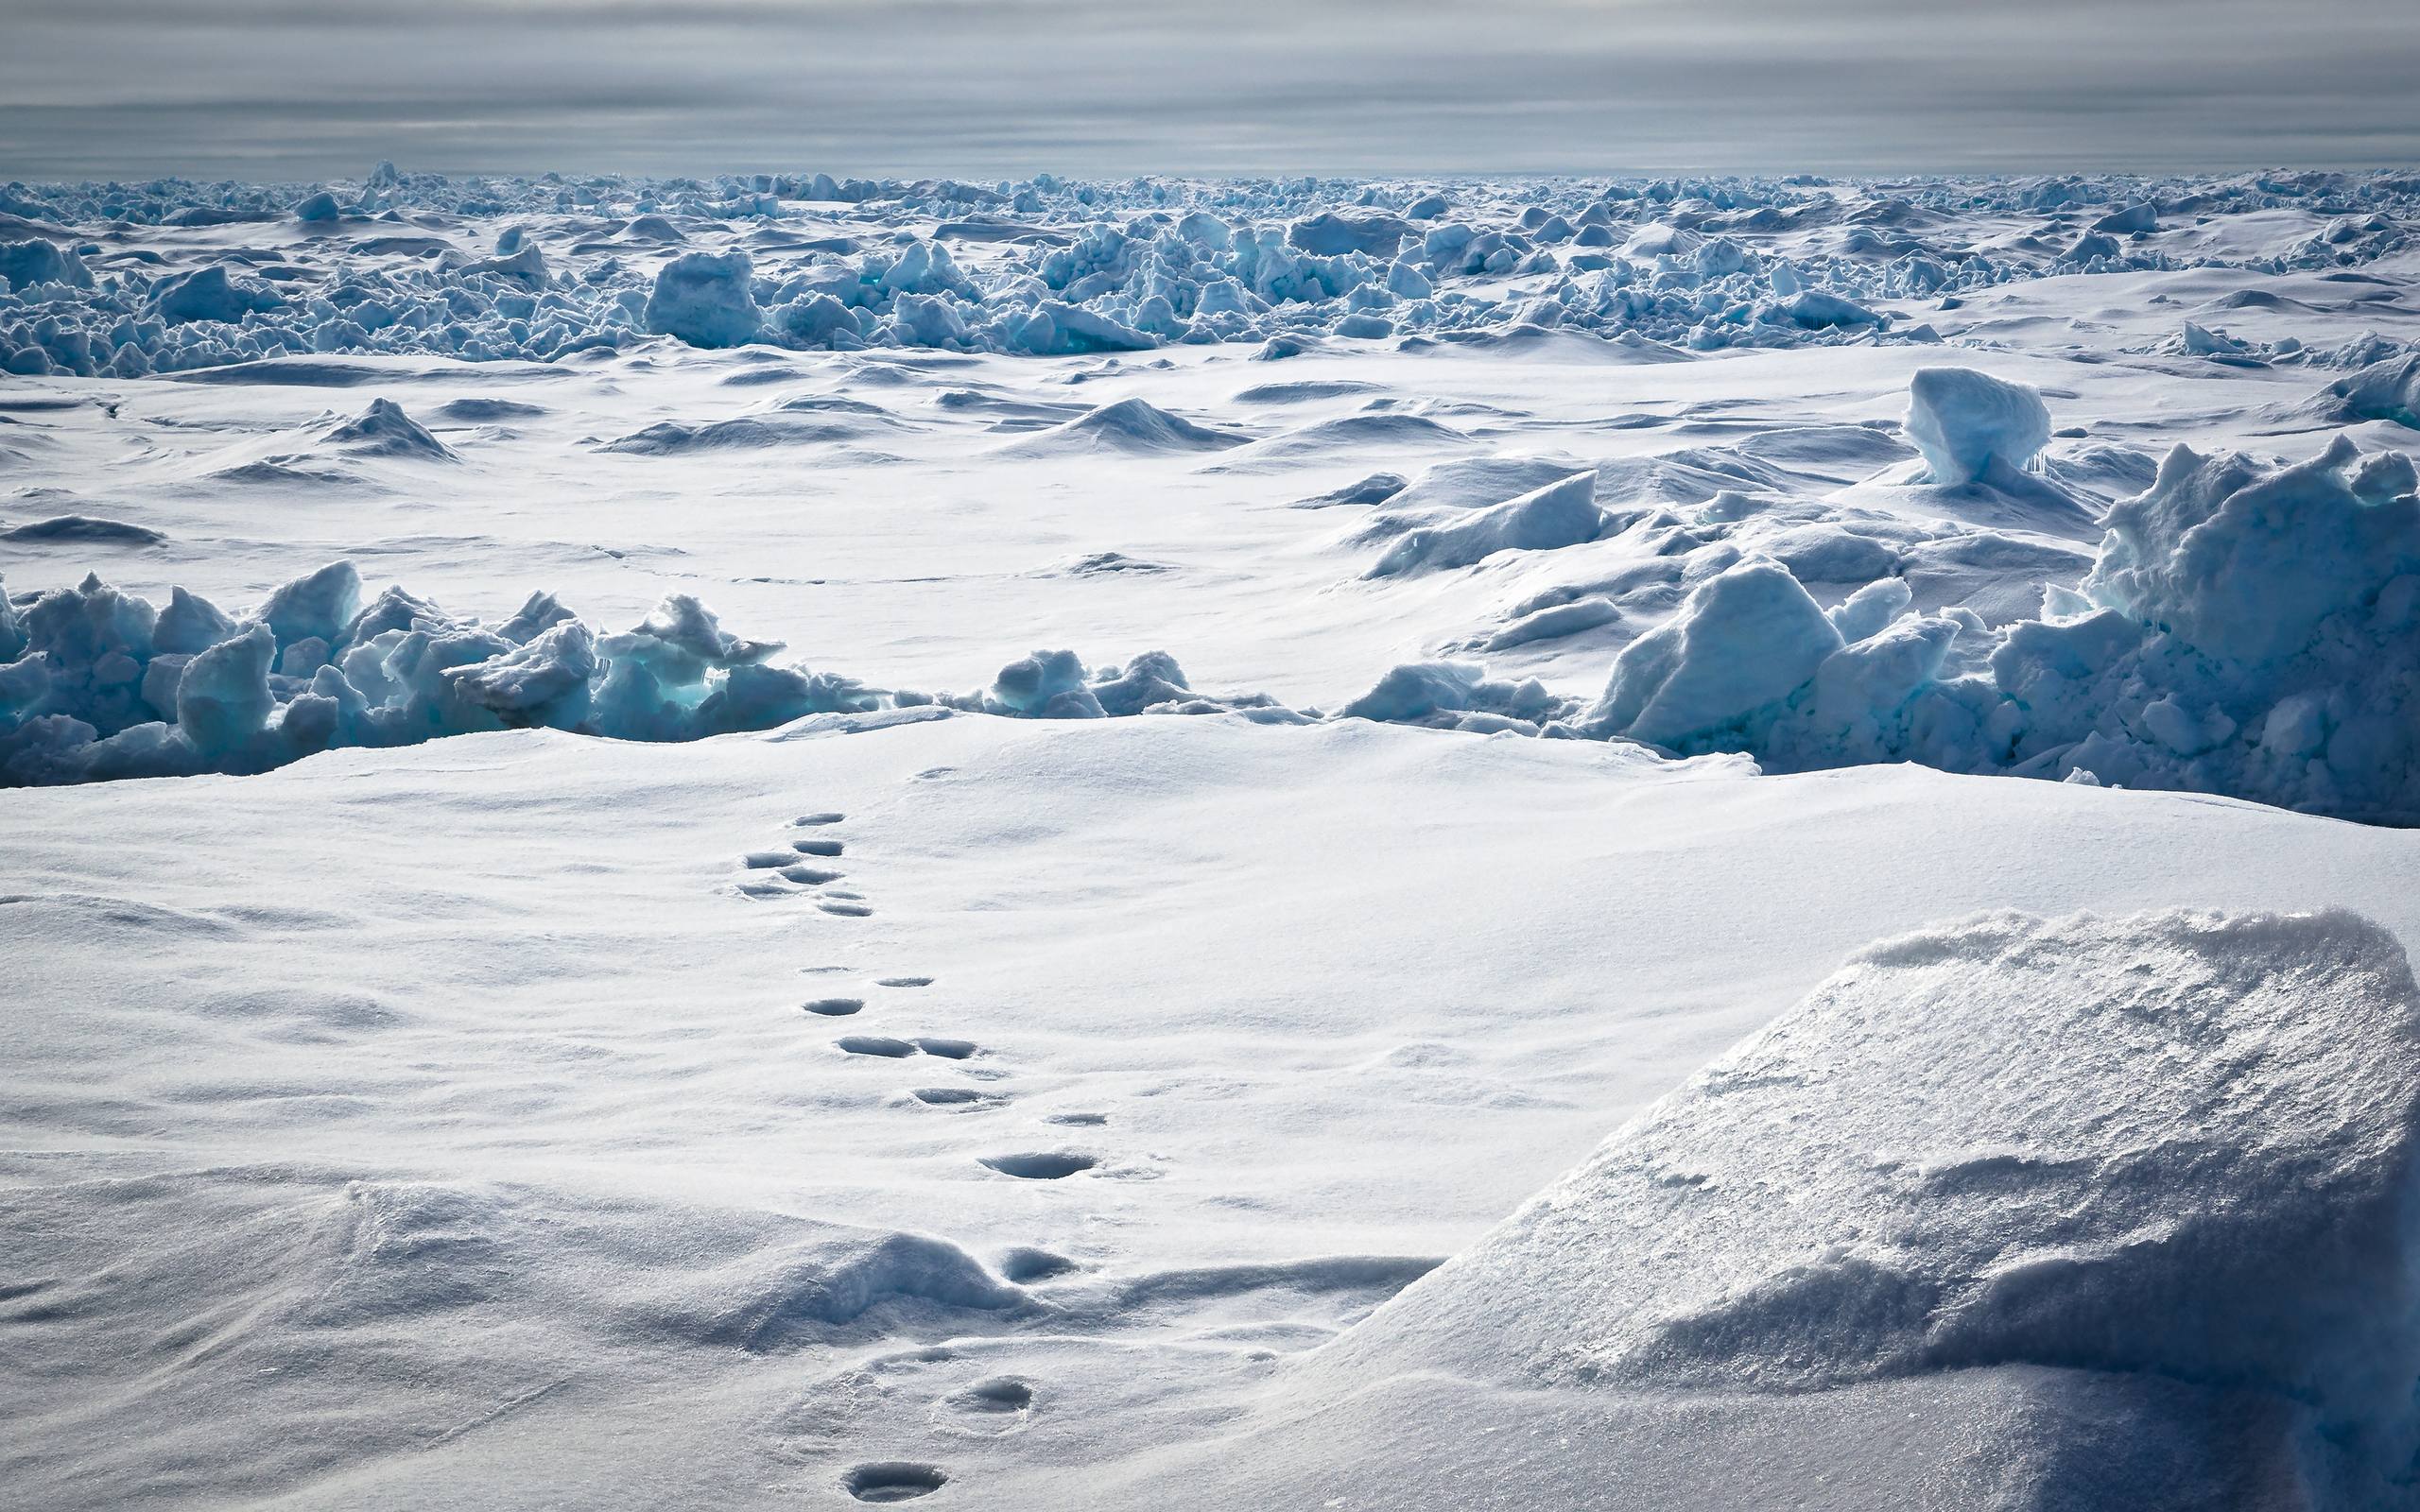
(1564, 514)
(1967, 422)
(385, 430)
(100, 685)
(1133, 425)
(2244, 630)
(705, 299)
(1741, 645)
(2175, 1145)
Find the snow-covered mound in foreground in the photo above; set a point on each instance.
(336, 1279)
(2175, 1149)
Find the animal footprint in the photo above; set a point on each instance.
(875, 1044)
(893, 1481)
(834, 1008)
(995, 1405)
(1041, 1165)
(905, 981)
(960, 1097)
(803, 875)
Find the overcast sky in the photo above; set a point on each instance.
(293, 89)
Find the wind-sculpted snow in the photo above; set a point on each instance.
(720, 1067)
(1559, 514)
(2176, 1148)
(170, 276)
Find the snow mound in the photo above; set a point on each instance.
(1743, 642)
(208, 294)
(1130, 425)
(1563, 513)
(2175, 1145)
(28, 263)
(2245, 629)
(385, 430)
(1058, 685)
(83, 529)
(2388, 390)
(748, 432)
(399, 1298)
(706, 300)
(1333, 234)
(1966, 422)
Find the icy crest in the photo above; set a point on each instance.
(2175, 1145)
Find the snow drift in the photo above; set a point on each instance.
(2176, 1147)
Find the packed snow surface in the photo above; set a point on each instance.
(786, 841)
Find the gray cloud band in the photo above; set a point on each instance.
(271, 88)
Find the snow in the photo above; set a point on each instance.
(1965, 1151)
(208, 294)
(1559, 514)
(1742, 643)
(537, 1101)
(1057, 267)
(2152, 670)
(964, 874)
(1966, 422)
(704, 299)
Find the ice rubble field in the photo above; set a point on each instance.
(781, 842)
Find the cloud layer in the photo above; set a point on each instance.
(306, 88)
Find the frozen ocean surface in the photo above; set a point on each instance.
(786, 842)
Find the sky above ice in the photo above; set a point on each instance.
(992, 88)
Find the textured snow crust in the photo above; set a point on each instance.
(2174, 1145)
